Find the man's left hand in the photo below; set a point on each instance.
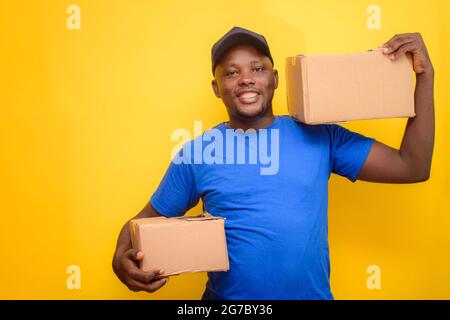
(410, 43)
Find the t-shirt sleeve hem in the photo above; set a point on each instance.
(161, 208)
(364, 154)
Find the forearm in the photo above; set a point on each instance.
(125, 263)
(124, 240)
(418, 140)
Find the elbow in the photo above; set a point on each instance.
(421, 179)
(426, 173)
(418, 171)
(418, 175)
(425, 176)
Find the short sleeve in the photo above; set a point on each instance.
(177, 192)
(349, 151)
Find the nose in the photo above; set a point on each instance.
(246, 79)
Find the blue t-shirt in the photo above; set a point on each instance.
(276, 222)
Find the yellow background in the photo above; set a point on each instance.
(85, 123)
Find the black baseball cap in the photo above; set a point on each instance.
(235, 36)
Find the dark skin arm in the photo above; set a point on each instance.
(125, 260)
(412, 162)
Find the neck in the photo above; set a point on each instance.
(258, 123)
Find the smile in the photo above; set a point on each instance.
(248, 97)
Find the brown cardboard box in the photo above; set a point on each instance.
(181, 244)
(341, 87)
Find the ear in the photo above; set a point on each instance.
(215, 88)
(275, 78)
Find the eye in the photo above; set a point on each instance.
(231, 73)
(258, 69)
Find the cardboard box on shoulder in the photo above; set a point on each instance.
(336, 88)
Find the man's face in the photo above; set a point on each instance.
(245, 80)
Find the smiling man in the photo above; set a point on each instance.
(276, 225)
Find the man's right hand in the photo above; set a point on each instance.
(125, 266)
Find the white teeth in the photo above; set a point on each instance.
(248, 95)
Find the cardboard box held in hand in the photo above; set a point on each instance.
(181, 244)
(341, 87)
